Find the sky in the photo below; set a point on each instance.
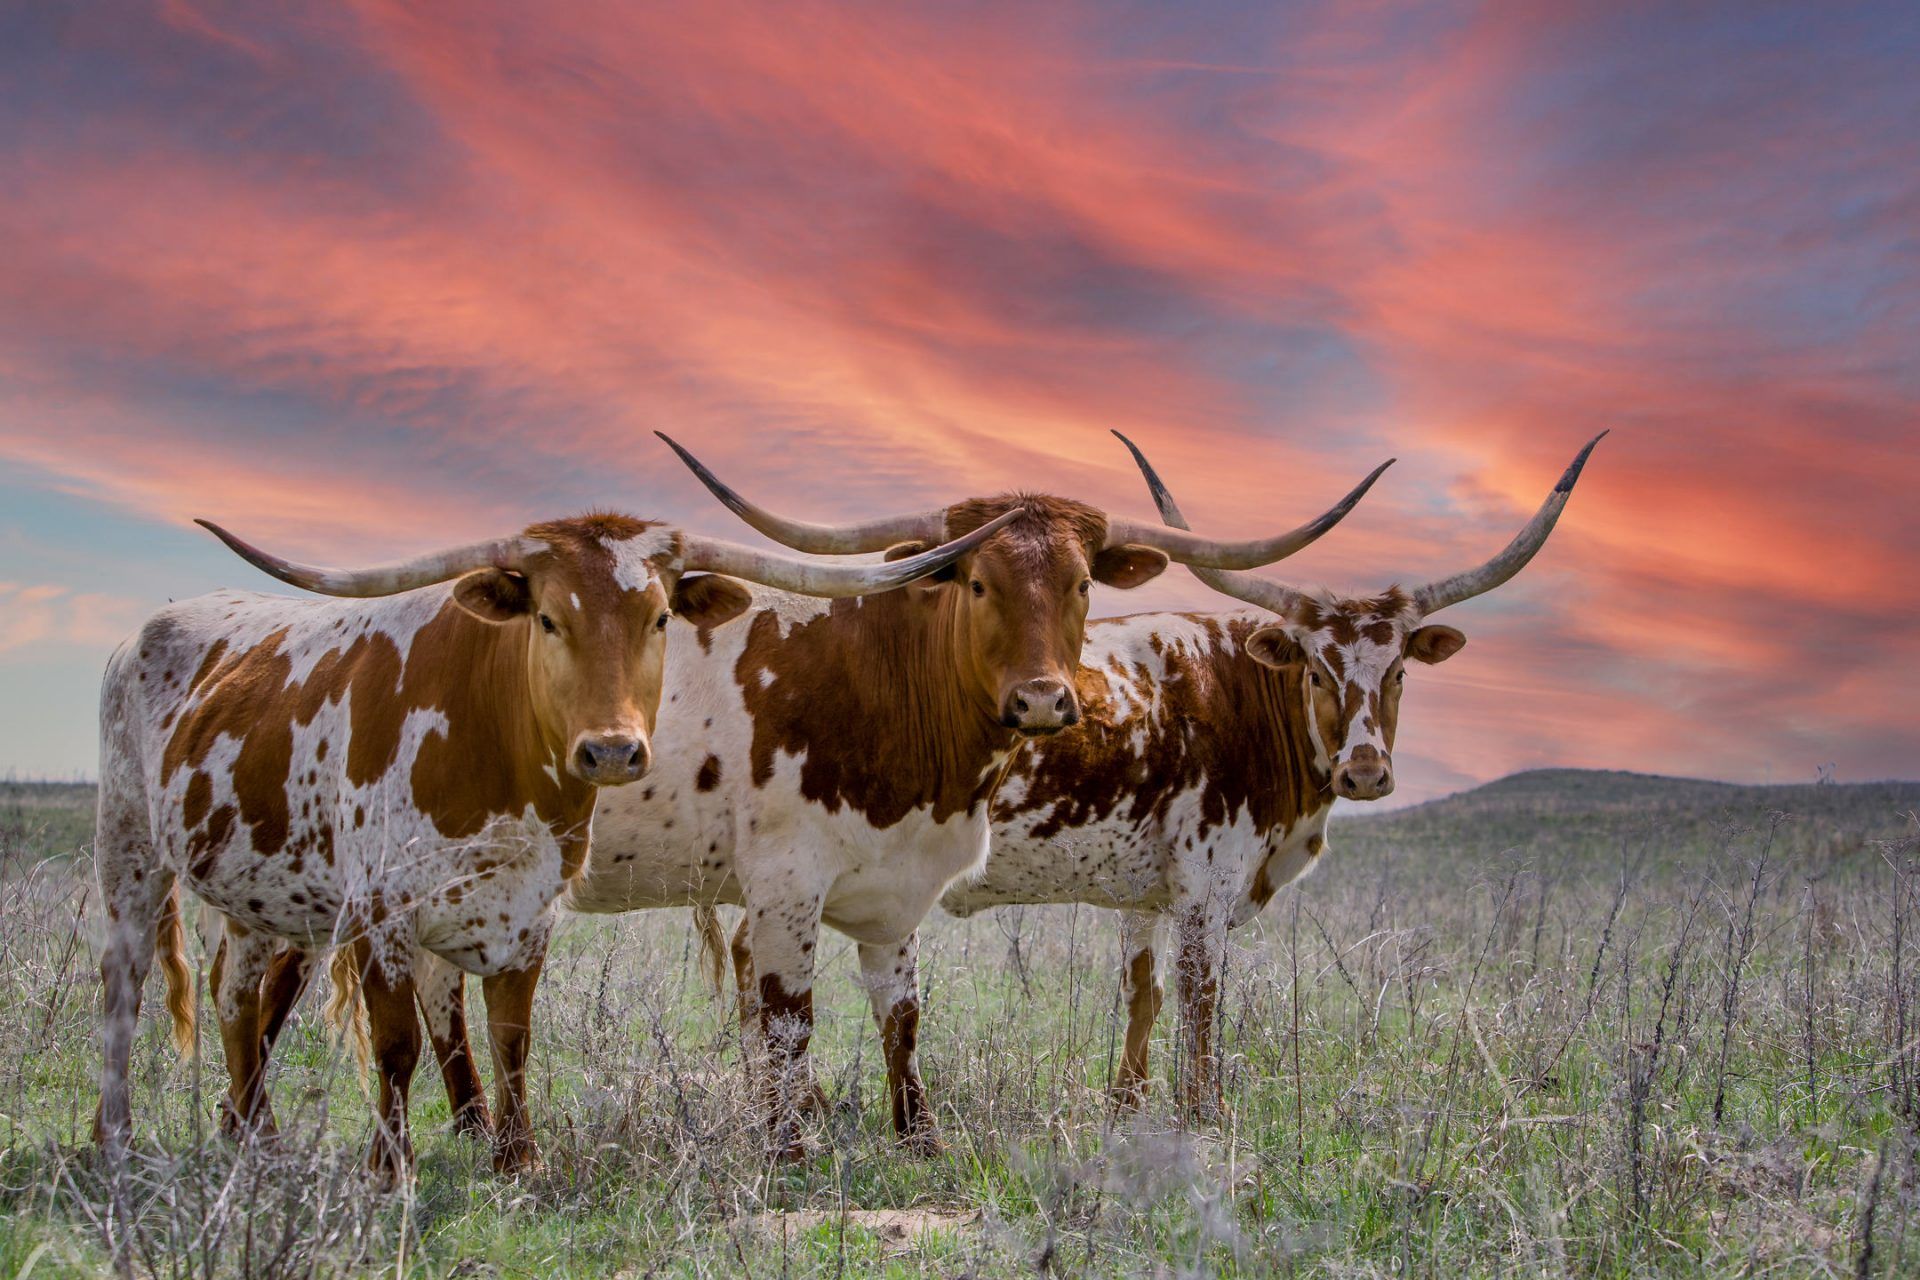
(360, 280)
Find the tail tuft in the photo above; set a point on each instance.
(713, 946)
(170, 949)
(346, 1012)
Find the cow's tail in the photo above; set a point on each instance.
(346, 1012)
(713, 945)
(170, 949)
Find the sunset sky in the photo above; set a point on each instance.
(358, 280)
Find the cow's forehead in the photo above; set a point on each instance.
(1359, 637)
(599, 554)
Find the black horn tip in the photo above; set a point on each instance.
(728, 498)
(1154, 484)
(1573, 470)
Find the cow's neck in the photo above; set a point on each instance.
(869, 694)
(493, 759)
(1264, 738)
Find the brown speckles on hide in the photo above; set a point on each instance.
(709, 776)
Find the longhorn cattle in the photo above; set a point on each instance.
(836, 763)
(1212, 748)
(405, 776)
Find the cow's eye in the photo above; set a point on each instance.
(660, 623)
(1400, 676)
(1313, 678)
(1086, 585)
(546, 624)
(979, 587)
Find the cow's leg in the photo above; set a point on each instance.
(782, 932)
(280, 990)
(394, 1029)
(239, 966)
(134, 888)
(747, 998)
(1142, 987)
(510, 1028)
(1202, 957)
(893, 990)
(442, 991)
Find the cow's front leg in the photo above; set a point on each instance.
(242, 960)
(1198, 968)
(441, 989)
(1141, 986)
(891, 976)
(394, 1028)
(783, 932)
(510, 1027)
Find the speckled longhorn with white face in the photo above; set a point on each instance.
(1210, 755)
(403, 776)
(836, 765)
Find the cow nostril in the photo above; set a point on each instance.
(633, 756)
(1020, 704)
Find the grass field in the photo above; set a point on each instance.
(1573, 1024)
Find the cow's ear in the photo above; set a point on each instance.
(1275, 647)
(934, 579)
(1128, 565)
(707, 599)
(494, 595)
(1435, 644)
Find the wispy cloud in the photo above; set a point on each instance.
(364, 279)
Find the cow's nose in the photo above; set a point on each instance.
(609, 759)
(1368, 775)
(1038, 706)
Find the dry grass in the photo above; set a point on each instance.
(1572, 1024)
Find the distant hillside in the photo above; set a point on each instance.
(1585, 812)
(1609, 811)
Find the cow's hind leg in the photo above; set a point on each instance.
(394, 1028)
(442, 991)
(510, 1028)
(1142, 987)
(239, 966)
(893, 990)
(1198, 969)
(280, 990)
(135, 889)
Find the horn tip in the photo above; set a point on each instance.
(1579, 463)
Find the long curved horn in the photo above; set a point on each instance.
(1465, 586)
(386, 579)
(817, 578)
(1276, 596)
(820, 539)
(1200, 553)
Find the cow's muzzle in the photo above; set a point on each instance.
(1039, 707)
(1367, 774)
(609, 759)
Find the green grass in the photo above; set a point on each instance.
(1512, 1007)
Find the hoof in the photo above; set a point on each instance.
(512, 1159)
(473, 1122)
(240, 1131)
(923, 1142)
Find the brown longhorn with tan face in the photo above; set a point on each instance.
(411, 770)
